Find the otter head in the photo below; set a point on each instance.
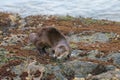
(33, 37)
(61, 52)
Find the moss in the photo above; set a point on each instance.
(66, 18)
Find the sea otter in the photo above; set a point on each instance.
(52, 38)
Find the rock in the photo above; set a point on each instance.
(78, 78)
(80, 68)
(76, 53)
(92, 54)
(8, 20)
(99, 69)
(18, 69)
(115, 57)
(110, 75)
(13, 39)
(3, 43)
(56, 71)
(101, 37)
(110, 67)
(59, 76)
(75, 38)
(35, 70)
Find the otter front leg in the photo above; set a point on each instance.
(41, 51)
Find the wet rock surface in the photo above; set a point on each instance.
(95, 47)
(108, 75)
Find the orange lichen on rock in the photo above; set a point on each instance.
(104, 47)
(5, 69)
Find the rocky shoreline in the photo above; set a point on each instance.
(95, 49)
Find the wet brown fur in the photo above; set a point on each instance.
(50, 37)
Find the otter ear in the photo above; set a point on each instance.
(33, 37)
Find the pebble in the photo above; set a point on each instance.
(78, 78)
